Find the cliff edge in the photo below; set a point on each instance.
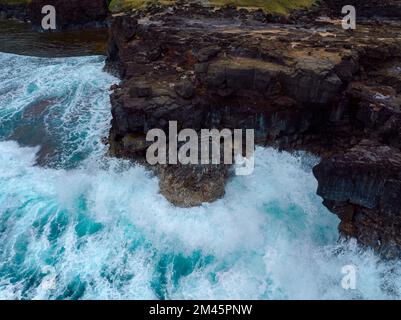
(299, 80)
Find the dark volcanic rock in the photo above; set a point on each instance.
(185, 89)
(310, 86)
(363, 187)
(205, 54)
(192, 185)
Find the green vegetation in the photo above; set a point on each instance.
(15, 1)
(274, 6)
(121, 5)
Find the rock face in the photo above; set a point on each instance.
(203, 72)
(362, 183)
(207, 72)
(363, 186)
(192, 185)
(301, 85)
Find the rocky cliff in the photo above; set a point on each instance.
(363, 185)
(299, 80)
(301, 83)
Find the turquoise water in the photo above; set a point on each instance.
(75, 224)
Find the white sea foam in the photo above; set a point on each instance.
(108, 233)
(62, 104)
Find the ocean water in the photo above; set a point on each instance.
(76, 224)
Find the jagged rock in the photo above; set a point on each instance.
(185, 89)
(363, 187)
(192, 185)
(311, 86)
(205, 54)
(240, 74)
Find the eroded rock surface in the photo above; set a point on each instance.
(363, 187)
(300, 83)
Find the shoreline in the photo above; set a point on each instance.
(306, 85)
(19, 38)
(303, 84)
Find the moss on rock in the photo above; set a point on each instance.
(273, 6)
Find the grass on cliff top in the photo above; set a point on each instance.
(15, 1)
(122, 5)
(273, 6)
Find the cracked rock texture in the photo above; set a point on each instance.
(301, 82)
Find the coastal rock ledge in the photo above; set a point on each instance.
(363, 187)
(302, 82)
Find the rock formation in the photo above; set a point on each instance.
(301, 83)
(362, 186)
